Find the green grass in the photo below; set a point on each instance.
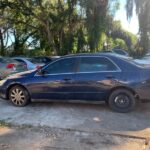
(3, 123)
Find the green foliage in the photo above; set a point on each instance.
(58, 27)
(36, 52)
(3, 124)
(103, 38)
(143, 12)
(126, 37)
(120, 43)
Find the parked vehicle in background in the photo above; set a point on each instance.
(9, 66)
(116, 51)
(55, 57)
(120, 52)
(143, 61)
(30, 63)
(45, 60)
(118, 81)
(42, 59)
(148, 54)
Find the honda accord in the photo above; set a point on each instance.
(115, 79)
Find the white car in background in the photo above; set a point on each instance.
(145, 61)
(9, 66)
(30, 63)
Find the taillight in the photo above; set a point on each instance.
(10, 66)
(38, 67)
(25, 66)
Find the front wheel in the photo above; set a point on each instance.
(122, 101)
(19, 96)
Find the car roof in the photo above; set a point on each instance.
(40, 57)
(109, 54)
(19, 57)
(85, 54)
(26, 59)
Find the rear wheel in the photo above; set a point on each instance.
(122, 100)
(19, 96)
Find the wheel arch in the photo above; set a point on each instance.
(126, 88)
(15, 84)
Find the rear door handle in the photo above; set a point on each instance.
(67, 79)
(110, 77)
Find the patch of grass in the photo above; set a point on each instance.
(3, 123)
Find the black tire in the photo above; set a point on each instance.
(106, 102)
(19, 96)
(122, 101)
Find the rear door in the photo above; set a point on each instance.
(95, 77)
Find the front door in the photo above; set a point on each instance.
(56, 81)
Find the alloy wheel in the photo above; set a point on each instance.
(17, 96)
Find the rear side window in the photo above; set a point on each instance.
(96, 64)
(61, 66)
(39, 60)
(21, 61)
(32, 60)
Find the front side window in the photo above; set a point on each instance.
(61, 66)
(96, 64)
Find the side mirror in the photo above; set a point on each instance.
(41, 72)
(38, 67)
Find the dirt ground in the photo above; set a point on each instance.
(60, 139)
(60, 126)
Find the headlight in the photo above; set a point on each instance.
(2, 82)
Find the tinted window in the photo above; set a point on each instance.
(40, 60)
(32, 60)
(95, 64)
(120, 51)
(19, 60)
(61, 66)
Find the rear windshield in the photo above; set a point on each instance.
(119, 51)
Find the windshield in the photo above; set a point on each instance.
(7, 60)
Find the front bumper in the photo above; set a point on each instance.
(2, 93)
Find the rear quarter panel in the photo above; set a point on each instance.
(132, 76)
(143, 87)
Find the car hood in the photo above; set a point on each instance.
(22, 74)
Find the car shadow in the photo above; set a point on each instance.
(93, 117)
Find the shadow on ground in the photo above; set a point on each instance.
(89, 117)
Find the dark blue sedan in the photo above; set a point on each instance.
(117, 80)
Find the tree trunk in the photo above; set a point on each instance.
(2, 47)
(50, 39)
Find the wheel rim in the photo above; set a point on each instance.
(17, 96)
(122, 101)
